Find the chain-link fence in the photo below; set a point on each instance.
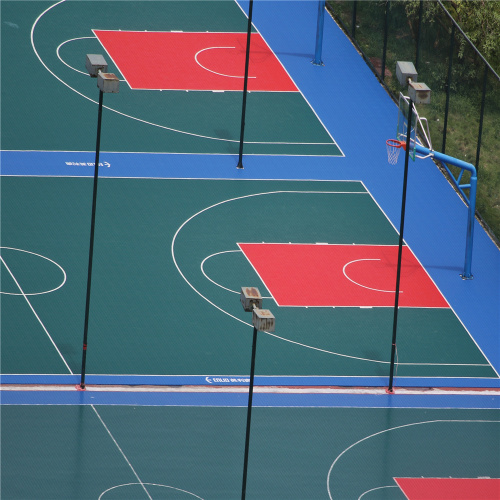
(464, 114)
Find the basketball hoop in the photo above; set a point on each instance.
(393, 149)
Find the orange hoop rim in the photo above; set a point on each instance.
(395, 143)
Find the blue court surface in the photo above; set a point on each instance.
(164, 411)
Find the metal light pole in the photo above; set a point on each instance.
(400, 250)
(263, 320)
(249, 415)
(419, 93)
(245, 85)
(107, 83)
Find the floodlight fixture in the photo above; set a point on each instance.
(250, 297)
(407, 75)
(405, 71)
(95, 63)
(108, 82)
(419, 92)
(97, 67)
(263, 320)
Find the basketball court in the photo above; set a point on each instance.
(202, 116)
(311, 221)
(168, 281)
(175, 448)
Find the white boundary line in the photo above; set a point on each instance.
(347, 277)
(149, 484)
(111, 57)
(454, 312)
(258, 274)
(376, 489)
(185, 153)
(364, 286)
(214, 282)
(263, 389)
(335, 381)
(301, 93)
(273, 334)
(210, 279)
(68, 65)
(43, 257)
(36, 315)
(392, 429)
(121, 451)
(215, 72)
(357, 245)
(163, 126)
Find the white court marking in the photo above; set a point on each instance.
(149, 484)
(43, 257)
(376, 489)
(214, 282)
(68, 65)
(164, 127)
(393, 429)
(122, 453)
(215, 72)
(36, 315)
(172, 249)
(359, 284)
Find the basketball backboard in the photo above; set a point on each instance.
(419, 129)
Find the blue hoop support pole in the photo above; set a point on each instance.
(319, 33)
(472, 186)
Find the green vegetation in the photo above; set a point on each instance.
(480, 20)
(426, 37)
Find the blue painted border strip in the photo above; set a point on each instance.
(243, 380)
(201, 399)
(165, 166)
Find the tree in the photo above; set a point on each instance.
(480, 20)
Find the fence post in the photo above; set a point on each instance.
(448, 86)
(386, 28)
(419, 32)
(481, 116)
(353, 28)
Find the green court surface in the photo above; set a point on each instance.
(59, 91)
(167, 274)
(165, 452)
(164, 411)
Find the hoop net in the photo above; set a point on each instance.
(393, 150)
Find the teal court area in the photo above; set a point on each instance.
(151, 119)
(169, 271)
(312, 220)
(182, 452)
